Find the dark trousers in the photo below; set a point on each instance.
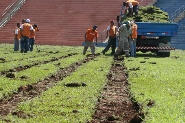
(135, 9)
(30, 44)
(112, 44)
(24, 44)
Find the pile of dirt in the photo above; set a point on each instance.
(148, 14)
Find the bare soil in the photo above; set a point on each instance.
(115, 104)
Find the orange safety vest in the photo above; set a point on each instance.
(134, 31)
(26, 29)
(112, 31)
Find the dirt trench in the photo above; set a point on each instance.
(9, 104)
(116, 104)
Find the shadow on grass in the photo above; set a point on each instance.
(148, 55)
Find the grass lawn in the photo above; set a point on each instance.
(156, 83)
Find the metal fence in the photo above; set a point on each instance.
(178, 12)
(10, 13)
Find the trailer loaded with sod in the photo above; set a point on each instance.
(154, 30)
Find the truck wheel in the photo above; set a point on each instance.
(163, 54)
(166, 54)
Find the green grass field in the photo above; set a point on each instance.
(156, 83)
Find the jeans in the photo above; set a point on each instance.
(16, 44)
(132, 47)
(24, 44)
(30, 44)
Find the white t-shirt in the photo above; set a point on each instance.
(16, 31)
(130, 5)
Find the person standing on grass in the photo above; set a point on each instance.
(32, 37)
(90, 35)
(25, 30)
(133, 39)
(17, 37)
(111, 32)
(23, 21)
(124, 31)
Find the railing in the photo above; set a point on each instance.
(177, 12)
(11, 13)
(103, 35)
(8, 7)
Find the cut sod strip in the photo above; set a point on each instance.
(30, 62)
(158, 85)
(73, 100)
(12, 56)
(34, 74)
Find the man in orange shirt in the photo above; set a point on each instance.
(90, 35)
(135, 5)
(25, 30)
(17, 36)
(111, 31)
(32, 37)
(132, 39)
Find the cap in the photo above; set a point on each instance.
(111, 21)
(28, 20)
(95, 26)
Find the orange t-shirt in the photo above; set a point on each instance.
(32, 33)
(90, 35)
(112, 31)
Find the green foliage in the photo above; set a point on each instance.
(148, 14)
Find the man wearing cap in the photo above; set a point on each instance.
(111, 31)
(124, 32)
(25, 30)
(90, 35)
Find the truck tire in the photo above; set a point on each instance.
(166, 54)
(163, 54)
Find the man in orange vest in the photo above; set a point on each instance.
(90, 35)
(132, 39)
(17, 36)
(32, 37)
(25, 30)
(111, 32)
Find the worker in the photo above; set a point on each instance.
(111, 34)
(90, 35)
(133, 39)
(135, 7)
(124, 31)
(25, 30)
(32, 37)
(17, 37)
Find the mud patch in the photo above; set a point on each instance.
(115, 104)
(75, 84)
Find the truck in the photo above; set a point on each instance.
(156, 37)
